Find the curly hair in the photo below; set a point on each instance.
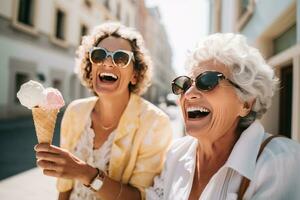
(248, 70)
(142, 64)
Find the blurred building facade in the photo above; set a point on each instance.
(38, 39)
(273, 26)
(156, 39)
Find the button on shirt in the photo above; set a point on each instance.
(276, 174)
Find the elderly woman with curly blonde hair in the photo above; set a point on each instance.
(227, 153)
(112, 144)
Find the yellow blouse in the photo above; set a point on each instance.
(142, 138)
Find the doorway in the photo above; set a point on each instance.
(286, 95)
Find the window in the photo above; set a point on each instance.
(20, 79)
(243, 6)
(286, 96)
(25, 12)
(83, 31)
(285, 40)
(60, 25)
(245, 9)
(88, 3)
(106, 4)
(56, 83)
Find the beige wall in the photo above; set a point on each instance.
(289, 56)
(261, 28)
(75, 10)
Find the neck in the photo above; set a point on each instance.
(211, 156)
(110, 108)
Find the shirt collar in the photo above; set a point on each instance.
(243, 156)
(129, 120)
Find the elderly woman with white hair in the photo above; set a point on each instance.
(114, 143)
(227, 153)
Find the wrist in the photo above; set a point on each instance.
(88, 174)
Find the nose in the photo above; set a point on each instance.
(192, 93)
(108, 62)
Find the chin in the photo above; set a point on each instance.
(195, 131)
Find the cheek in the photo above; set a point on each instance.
(181, 103)
(225, 113)
(227, 108)
(127, 73)
(93, 72)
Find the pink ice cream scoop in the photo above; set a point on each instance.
(53, 99)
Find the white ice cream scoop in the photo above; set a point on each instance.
(31, 94)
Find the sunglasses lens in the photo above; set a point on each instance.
(121, 58)
(207, 81)
(181, 84)
(98, 55)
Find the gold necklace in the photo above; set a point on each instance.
(106, 128)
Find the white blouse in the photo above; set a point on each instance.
(276, 174)
(95, 157)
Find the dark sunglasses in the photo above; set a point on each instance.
(120, 58)
(205, 81)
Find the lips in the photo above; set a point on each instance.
(107, 77)
(197, 112)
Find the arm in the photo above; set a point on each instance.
(64, 195)
(115, 190)
(57, 162)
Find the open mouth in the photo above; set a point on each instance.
(197, 112)
(108, 77)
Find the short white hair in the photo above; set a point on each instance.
(248, 68)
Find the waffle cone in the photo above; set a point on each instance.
(44, 122)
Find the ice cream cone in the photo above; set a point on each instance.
(44, 122)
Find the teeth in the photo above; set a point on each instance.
(201, 109)
(108, 74)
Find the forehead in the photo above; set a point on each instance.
(209, 65)
(115, 43)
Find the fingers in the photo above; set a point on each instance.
(45, 147)
(52, 173)
(47, 165)
(52, 169)
(56, 158)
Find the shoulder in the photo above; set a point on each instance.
(150, 110)
(183, 146)
(282, 155)
(281, 147)
(78, 108)
(81, 104)
(279, 161)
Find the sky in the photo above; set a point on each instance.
(186, 22)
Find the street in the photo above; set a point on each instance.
(29, 185)
(17, 139)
